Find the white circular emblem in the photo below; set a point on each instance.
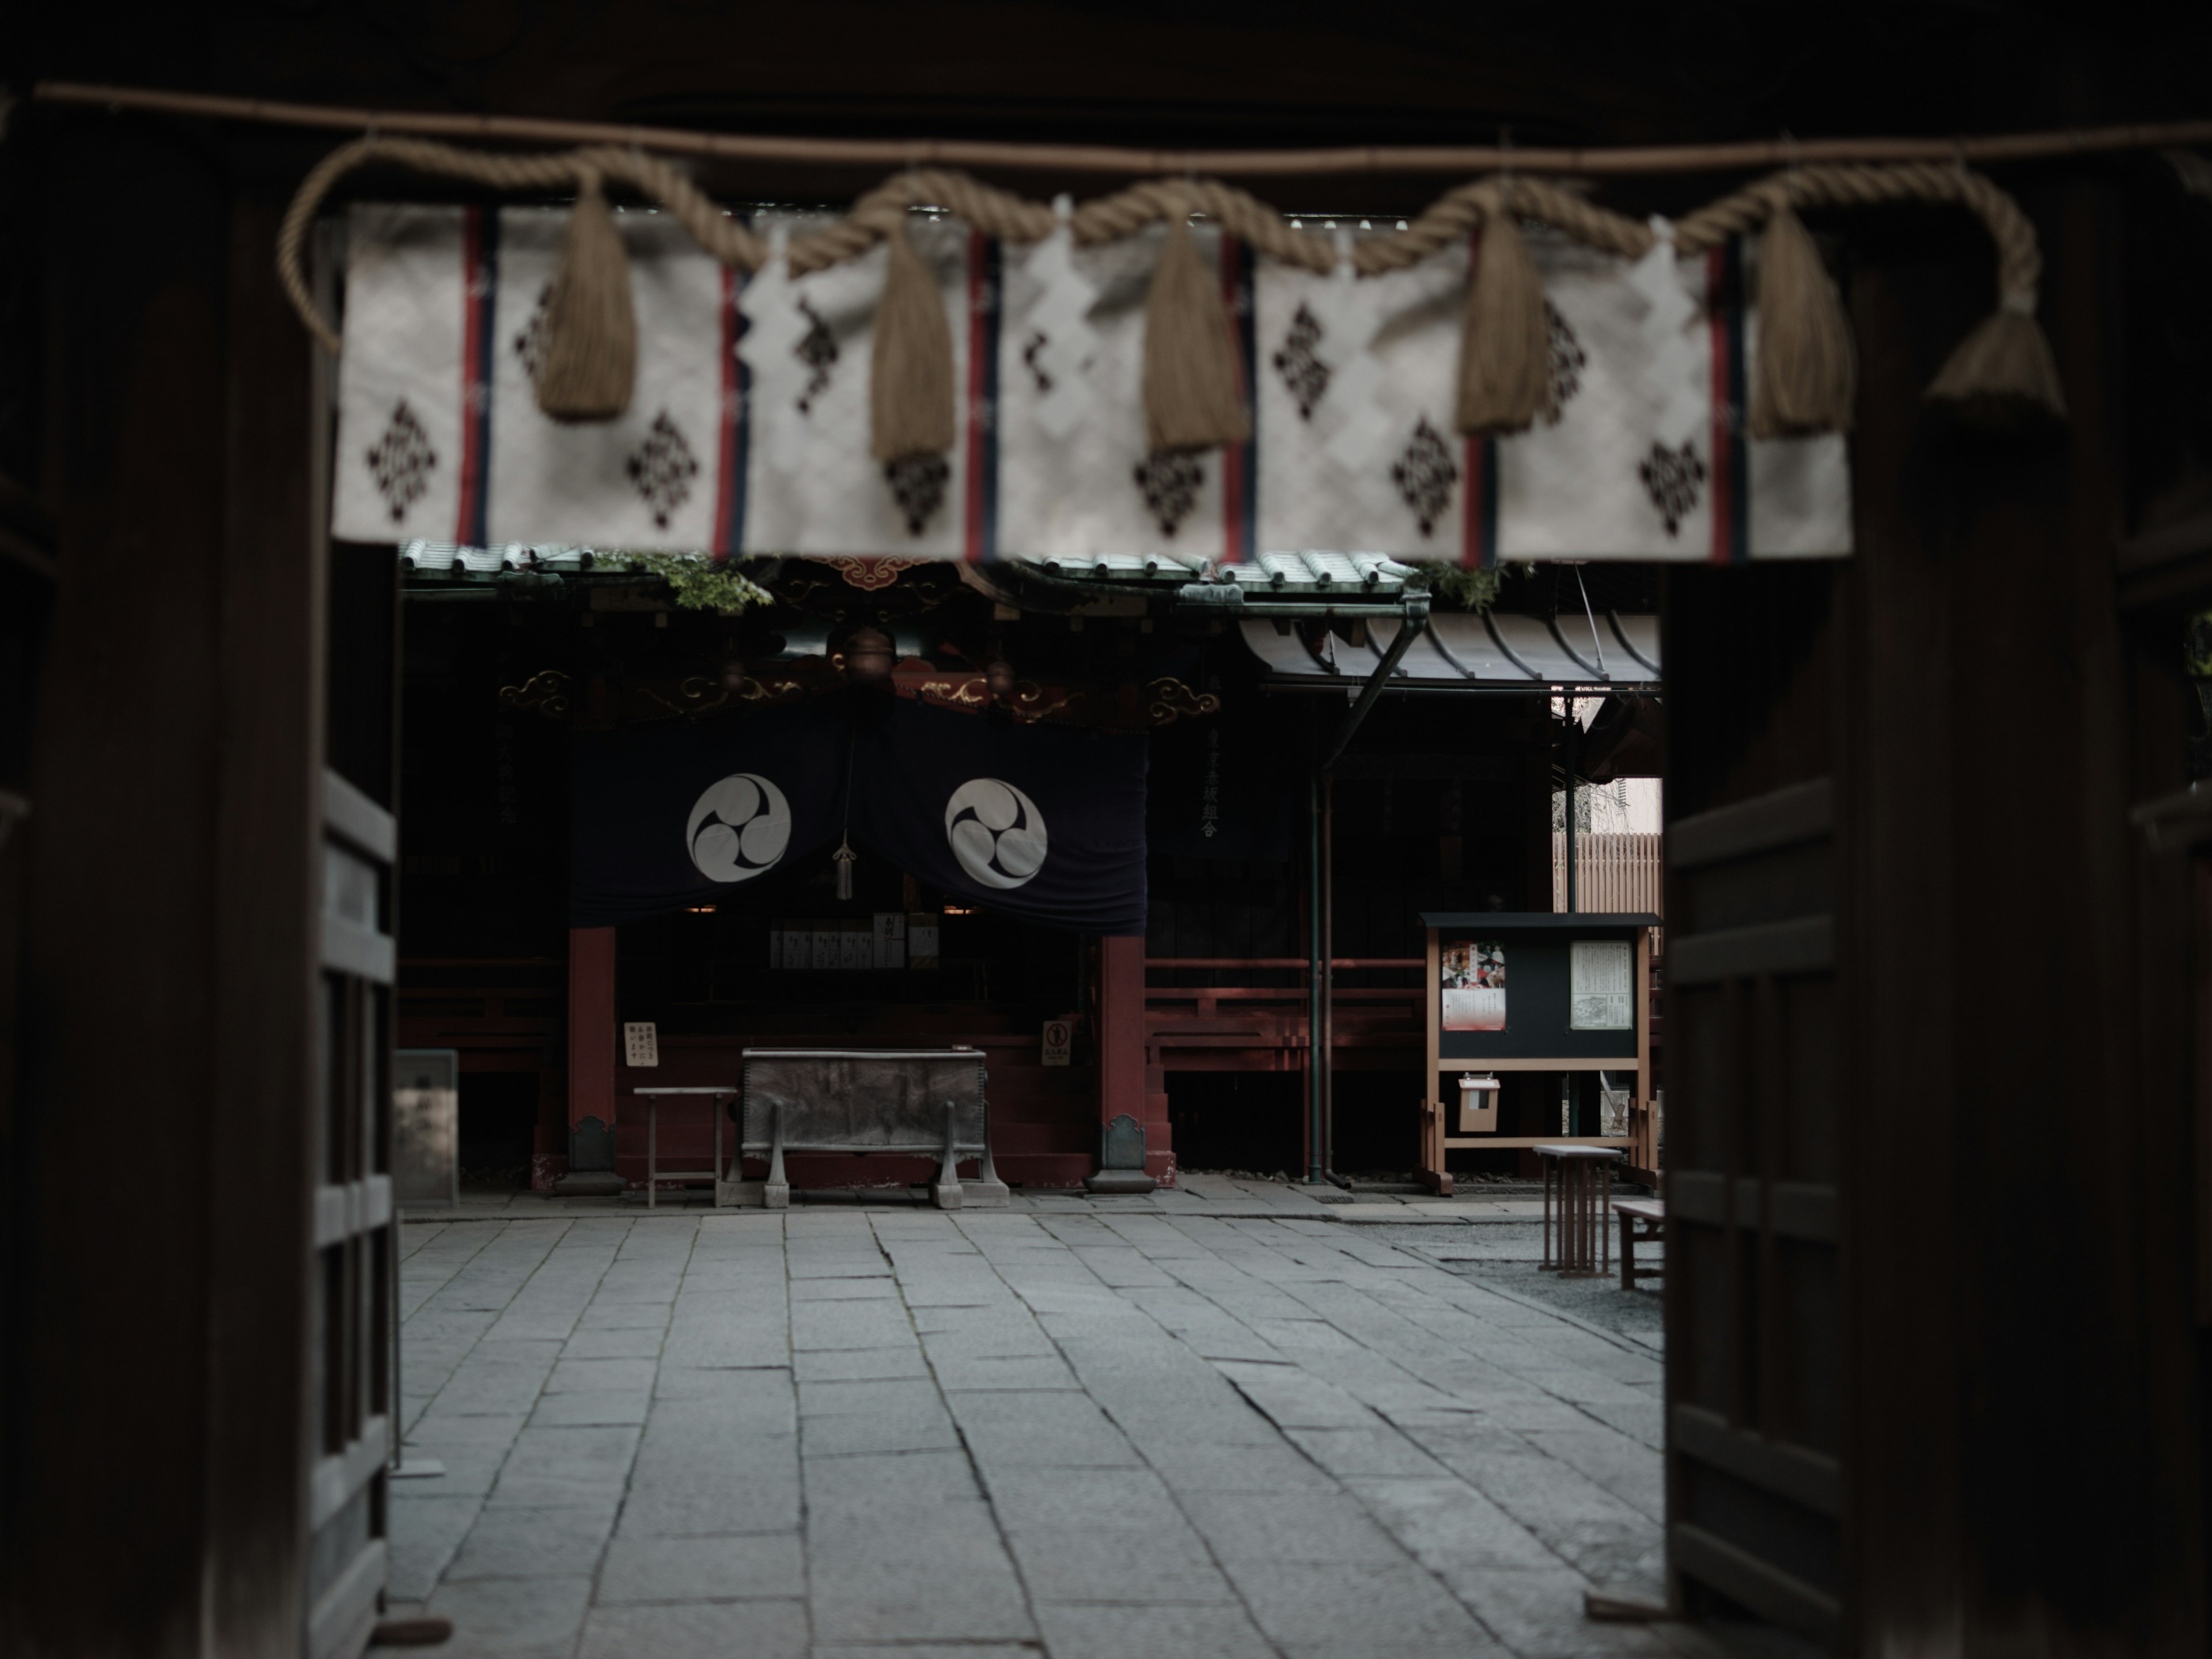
(738, 828)
(996, 831)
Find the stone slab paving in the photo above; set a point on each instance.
(1068, 1429)
(1196, 1193)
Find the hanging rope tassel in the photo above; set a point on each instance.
(1505, 348)
(590, 365)
(844, 857)
(911, 400)
(2004, 371)
(1193, 374)
(1806, 379)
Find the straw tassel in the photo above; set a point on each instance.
(2004, 371)
(1505, 348)
(1193, 374)
(590, 363)
(1807, 380)
(911, 400)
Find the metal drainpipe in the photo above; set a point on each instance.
(1314, 970)
(1328, 982)
(1413, 616)
(1574, 750)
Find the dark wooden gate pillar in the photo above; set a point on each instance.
(591, 1063)
(1933, 1381)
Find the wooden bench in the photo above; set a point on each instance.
(1643, 1221)
(926, 1101)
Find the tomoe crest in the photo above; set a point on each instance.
(738, 828)
(996, 832)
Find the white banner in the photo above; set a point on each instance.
(748, 428)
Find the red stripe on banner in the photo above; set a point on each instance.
(1470, 499)
(978, 343)
(1722, 439)
(724, 450)
(473, 390)
(1232, 455)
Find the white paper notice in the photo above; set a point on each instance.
(641, 1043)
(891, 939)
(1601, 985)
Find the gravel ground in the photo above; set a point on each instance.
(1502, 1256)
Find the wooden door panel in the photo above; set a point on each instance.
(356, 1248)
(1754, 1421)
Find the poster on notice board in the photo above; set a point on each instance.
(1473, 987)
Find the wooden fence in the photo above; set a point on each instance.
(1613, 872)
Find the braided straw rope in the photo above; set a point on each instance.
(1007, 218)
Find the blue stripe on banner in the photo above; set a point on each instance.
(1246, 343)
(1739, 470)
(487, 300)
(1489, 527)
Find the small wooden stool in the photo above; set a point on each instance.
(1581, 1246)
(1643, 1221)
(654, 1175)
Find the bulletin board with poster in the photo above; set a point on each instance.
(1534, 991)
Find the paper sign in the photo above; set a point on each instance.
(640, 1043)
(1473, 987)
(891, 939)
(1602, 978)
(1059, 1038)
(921, 941)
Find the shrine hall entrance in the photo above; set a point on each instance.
(785, 963)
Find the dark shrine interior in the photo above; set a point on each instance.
(1442, 802)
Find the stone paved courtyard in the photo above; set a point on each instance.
(1073, 1430)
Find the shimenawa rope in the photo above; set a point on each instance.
(1193, 386)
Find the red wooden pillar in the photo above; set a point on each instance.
(591, 1063)
(1128, 1085)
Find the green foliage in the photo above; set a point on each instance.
(2196, 645)
(697, 582)
(1464, 589)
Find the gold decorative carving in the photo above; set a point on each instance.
(705, 693)
(968, 693)
(1167, 699)
(870, 575)
(546, 691)
(1030, 702)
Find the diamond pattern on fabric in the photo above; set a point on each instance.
(1169, 485)
(917, 484)
(401, 459)
(1425, 474)
(662, 468)
(1674, 479)
(1304, 372)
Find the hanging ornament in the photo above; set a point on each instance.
(845, 857)
(868, 657)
